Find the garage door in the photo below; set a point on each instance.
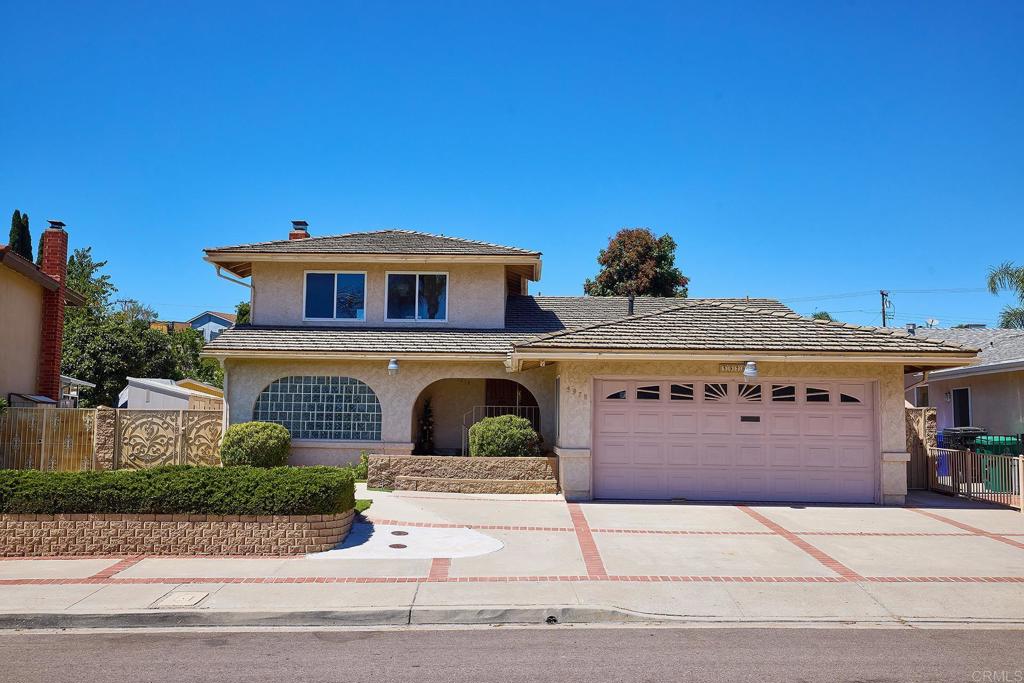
(730, 440)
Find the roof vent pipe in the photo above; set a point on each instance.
(632, 301)
(912, 329)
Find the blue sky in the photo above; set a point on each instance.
(793, 150)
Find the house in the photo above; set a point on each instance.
(32, 301)
(987, 394)
(209, 324)
(70, 390)
(155, 393)
(709, 399)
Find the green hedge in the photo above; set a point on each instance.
(260, 444)
(181, 489)
(505, 435)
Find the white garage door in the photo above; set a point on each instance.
(730, 440)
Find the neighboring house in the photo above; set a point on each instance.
(350, 334)
(70, 388)
(988, 394)
(209, 324)
(32, 301)
(154, 393)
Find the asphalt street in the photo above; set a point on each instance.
(557, 653)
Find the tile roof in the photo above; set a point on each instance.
(379, 242)
(696, 324)
(723, 326)
(996, 345)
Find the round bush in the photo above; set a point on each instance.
(505, 435)
(260, 444)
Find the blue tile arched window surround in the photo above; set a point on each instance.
(321, 407)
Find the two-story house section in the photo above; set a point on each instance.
(652, 398)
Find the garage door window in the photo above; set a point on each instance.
(750, 393)
(716, 392)
(815, 395)
(783, 393)
(682, 392)
(648, 393)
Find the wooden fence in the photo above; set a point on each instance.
(921, 429)
(77, 439)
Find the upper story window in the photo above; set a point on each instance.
(417, 296)
(335, 296)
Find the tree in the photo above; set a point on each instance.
(635, 262)
(186, 345)
(20, 238)
(242, 313)
(136, 310)
(823, 315)
(1010, 277)
(84, 277)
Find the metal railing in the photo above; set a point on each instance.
(471, 417)
(977, 476)
(48, 439)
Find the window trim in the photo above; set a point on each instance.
(416, 305)
(334, 296)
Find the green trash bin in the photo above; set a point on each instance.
(998, 445)
(996, 479)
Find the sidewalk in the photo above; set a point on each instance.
(457, 559)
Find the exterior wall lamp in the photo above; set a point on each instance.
(393, 367)
(750, 370)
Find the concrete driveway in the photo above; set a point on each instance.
(936, 560)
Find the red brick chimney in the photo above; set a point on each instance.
(300, 230)
(54, 247)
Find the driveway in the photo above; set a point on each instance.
(937, 559)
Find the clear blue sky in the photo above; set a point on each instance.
(793, 150)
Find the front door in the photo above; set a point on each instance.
(962, 407)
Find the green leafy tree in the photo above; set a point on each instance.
(20, 239)
(186, 345)
(1009, 277)
(635, 262)
(242, 313)
(823, 315)
(85, 278)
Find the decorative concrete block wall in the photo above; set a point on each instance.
(133, 534)
(459, 474)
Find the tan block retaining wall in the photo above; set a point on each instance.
(450, 472)
(130, 534)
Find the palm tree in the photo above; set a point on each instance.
(823, 315)
(1011, 278)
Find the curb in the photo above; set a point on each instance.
(442, 616)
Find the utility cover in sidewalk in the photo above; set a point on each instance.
(181, 599)
(377, 541)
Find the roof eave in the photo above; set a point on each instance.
(240, 264)
(973, 370)
(270, 354)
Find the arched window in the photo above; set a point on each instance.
(334, 408)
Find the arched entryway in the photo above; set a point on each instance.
(457, 403)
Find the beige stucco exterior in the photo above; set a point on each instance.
(21, 310)
(401, 398)
(997, 401)
(398, 396)
(476, 293)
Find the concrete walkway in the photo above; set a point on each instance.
(492, 559)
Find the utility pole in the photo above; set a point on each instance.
(885, 305)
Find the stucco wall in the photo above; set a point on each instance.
(997, 401)
(476, 293)
(397, 395)
(21, 310)
(576, 409)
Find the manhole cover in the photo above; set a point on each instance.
(398, 546)
(399, 533)
(181, 599)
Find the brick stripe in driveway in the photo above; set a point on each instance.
(588, 547)
(967, 527)
(822, 557)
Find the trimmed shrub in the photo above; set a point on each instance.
(362, 470)
(180, 489)
(260, 444)
(505, 435)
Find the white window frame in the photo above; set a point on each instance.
(970, 406)
(334, 296)
(416, 305)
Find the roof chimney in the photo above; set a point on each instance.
(300, 230)
(53, 248)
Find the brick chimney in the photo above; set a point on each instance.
(300, 230)
(54, 248)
